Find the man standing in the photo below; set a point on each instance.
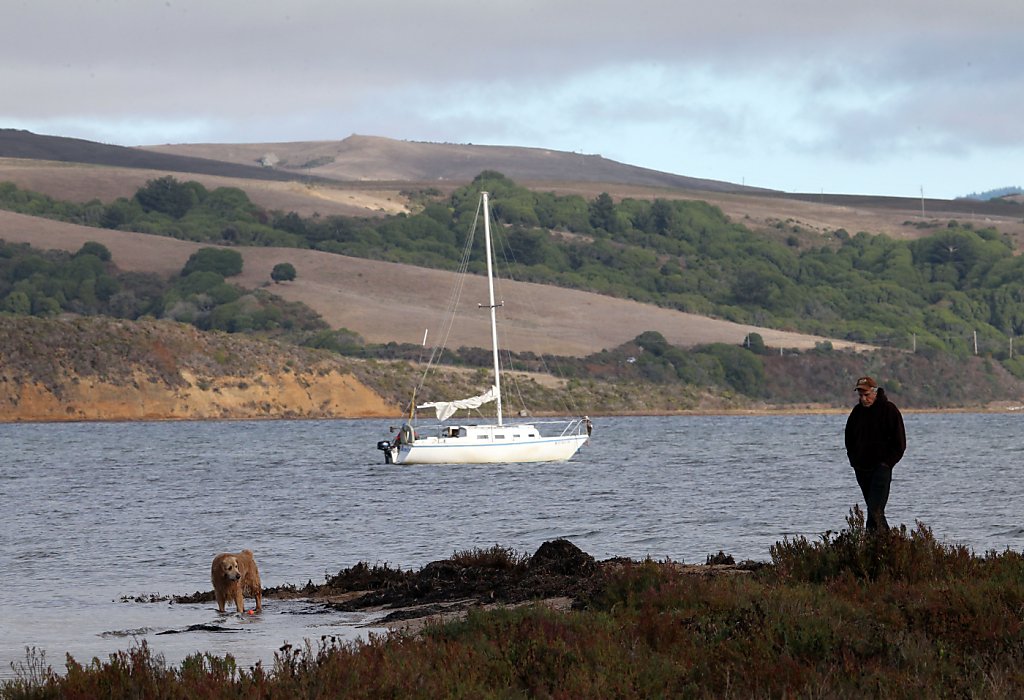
(875, 442)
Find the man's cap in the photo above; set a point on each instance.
(865, 383)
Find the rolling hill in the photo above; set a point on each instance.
(361, 158)
(16, 143)
(370, 176)
(389, 302)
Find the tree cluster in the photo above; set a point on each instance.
(166, 207)
(38, 283)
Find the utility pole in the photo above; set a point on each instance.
(975, 342)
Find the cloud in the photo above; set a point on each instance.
(657, 83)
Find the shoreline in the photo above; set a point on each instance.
(558, 575)
(736, 412)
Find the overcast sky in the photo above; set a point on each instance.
(871, 97)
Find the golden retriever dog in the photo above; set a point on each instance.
(234, 575)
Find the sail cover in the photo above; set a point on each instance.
(446, 409)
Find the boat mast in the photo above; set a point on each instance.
(493, 306)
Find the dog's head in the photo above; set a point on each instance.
(229, 569)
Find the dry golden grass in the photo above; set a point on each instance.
(387, 302)
(78, 182)
(360, 161)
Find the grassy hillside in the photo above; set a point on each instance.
(384, 168)
(764, 264)
(361, 157)
(956, 282)
(389, 302)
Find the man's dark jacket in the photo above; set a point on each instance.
(875, 434)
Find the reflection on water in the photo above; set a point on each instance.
(90, 513)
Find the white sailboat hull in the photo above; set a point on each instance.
(489, 445)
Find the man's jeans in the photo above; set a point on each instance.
(874, 484)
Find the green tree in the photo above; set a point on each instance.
(342, 341)
(94, 248)
(199, 282)
(168, 196)
(602, 213)
(755, 344)
(744, 371)
(292, 223)
(224, 262)
(661, 216)
(45, 306)
(18, 303)
(229, 203)
(103, 287)
(121, 213)
(283, 272)
(528, 246)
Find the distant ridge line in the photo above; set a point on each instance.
(357, 159)
(17, 143)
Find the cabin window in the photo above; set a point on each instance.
(499, 437)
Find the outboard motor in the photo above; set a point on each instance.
(385, 446)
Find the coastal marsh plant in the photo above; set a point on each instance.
(900, 615)
(897, 554)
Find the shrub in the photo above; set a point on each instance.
(496, 557)
(755, 344)
(94, 248)
(895, 554)
(168, 196)
(224, 262)
(283, 272)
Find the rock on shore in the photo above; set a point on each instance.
(559, 575)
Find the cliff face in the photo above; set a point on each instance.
(107, 369)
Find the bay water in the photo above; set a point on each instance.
(96, 518)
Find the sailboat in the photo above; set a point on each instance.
(484, 443)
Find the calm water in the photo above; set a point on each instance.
(90, 513)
